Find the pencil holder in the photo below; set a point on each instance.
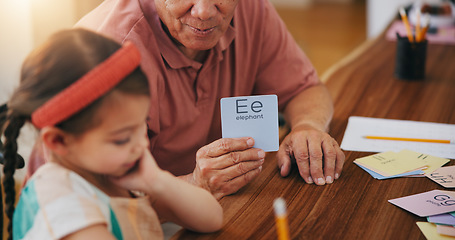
(410, 59)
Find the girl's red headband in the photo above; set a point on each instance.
(89, 87)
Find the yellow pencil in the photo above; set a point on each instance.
(417, 33)
(406, 24)
(410, 139)
(281, 220)
(425, 24)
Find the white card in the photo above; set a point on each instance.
(251, 116)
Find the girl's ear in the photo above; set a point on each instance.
(55, 140)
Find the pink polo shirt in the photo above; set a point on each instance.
(256, 55)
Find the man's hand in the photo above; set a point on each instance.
(318, 156)
(226, 165)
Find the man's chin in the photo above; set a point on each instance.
(200, 45)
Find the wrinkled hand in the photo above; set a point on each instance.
(318, 156)
(226, 165)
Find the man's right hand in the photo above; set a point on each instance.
(226, 165)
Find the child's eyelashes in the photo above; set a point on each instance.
(121, 141)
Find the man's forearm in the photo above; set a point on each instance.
(312, 107)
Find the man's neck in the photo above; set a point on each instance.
(196, 55)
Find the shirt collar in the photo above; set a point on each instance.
(169, 51)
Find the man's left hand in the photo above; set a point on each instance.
(318, 156)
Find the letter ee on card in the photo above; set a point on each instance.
(428, 203)
(251, 116)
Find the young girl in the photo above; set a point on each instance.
(89, 99)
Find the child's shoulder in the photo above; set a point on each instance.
(56, 202)
(52, 181)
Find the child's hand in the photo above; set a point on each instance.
(144, 174)
(172, 198)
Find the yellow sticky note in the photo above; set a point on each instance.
(433, 163)
(390, 163)
(430, 232)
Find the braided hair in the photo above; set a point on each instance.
(9, 167)
(59, 62)
(11, 133)
(3, 109)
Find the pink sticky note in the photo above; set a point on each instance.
(446, 230)
(427, 203)
(444, 176)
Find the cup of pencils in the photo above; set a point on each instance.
(411, 51)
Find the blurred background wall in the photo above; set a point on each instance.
(24, 24)
(381, 12)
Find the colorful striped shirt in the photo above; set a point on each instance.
(57, 202)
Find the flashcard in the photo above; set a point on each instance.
(389, 163)
(381, 177)
(427, 203)
(431, 162)
(446, 230)
(444, 176)
(251, 116)
(430, 232)
(445, 218)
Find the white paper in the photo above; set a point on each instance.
(251, 116)
(359, 127)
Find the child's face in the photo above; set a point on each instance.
(118, 142)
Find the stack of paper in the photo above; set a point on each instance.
(355, 136)
(387, 165)
(439, 208)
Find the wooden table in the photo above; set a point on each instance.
(355, 206)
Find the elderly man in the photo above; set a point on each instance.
(195, 52)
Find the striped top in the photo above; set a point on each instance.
(57, 202)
